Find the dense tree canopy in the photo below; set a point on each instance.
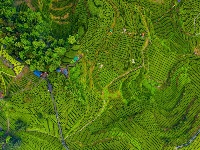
(137, 86)
(27, 35)
(8, 140)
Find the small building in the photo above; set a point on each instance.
(37, 73)
(63, 71)
(40, 74)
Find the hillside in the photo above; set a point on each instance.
(137, 86)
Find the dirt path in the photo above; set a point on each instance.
(123, 75)
(146, 43)
(116, 15)
(28, 2)
(190, 141)
(24, 71)
(166, 12)
(58, 18)
(65, 7)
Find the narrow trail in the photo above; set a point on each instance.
(190, 141)
(143, 49)
(116, 15)
(126, 73)
(57, 19)
(50, 89)
(61, 8)
(166, 12)
(146, 43)
(21, 74)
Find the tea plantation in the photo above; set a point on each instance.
(137, 86)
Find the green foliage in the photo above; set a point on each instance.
(81, 31)
(31, 39)
(150, 85)
(71, 39)
(20, 125)
(76, 47)
(8, 140)
(129, 91)
(93, 9)
(190, 20)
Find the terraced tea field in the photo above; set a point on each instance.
(137, 86)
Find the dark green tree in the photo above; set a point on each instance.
(27, 35)
(20, 125)
(9, 140)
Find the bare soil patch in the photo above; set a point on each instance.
(197, 51)
(24, 71)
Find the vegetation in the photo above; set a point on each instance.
(136, 87)
(27, 35)
(9, 140)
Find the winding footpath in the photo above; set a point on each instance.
(190, 141)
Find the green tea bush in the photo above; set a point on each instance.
(129, 91)
(187, 17)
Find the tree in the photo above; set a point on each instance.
(20, 125)
(27, 35)
(9, 140)
(71, 39)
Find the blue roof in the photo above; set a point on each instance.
(37, 73)
(65, 72)
(58, 70)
